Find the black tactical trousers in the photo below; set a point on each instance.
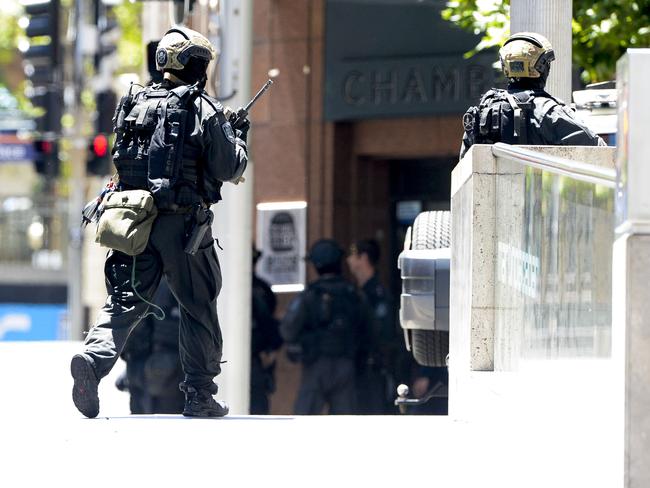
(327, 381)
(194, 280)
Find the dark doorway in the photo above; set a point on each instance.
(416, 185)
(380, 198)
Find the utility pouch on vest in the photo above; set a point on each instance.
(126, 222)
(167, 144)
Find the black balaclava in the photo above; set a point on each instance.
(531, 83)
(194, 72)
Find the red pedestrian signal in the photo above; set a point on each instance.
(99, 156)
(100, 145)
(46, 157)
(43, 147)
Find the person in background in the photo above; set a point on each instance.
(325, 330)
(525, 113)
(265, 341)
(153, 366)
(376, 371)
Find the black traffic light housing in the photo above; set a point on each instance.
(106, 101)
(43, 63)
(46, 157)
(99, 156)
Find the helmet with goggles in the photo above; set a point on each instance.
(526, 55)
(181, 45)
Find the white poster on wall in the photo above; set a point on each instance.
(281, 238)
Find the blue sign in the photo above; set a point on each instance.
(29, 322)
(16, 152)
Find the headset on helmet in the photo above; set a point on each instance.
(526, 55)
(179, 45)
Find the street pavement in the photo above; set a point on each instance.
(45, 442)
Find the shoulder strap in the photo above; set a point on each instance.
(548, 104)
(546, 94)
(213, 102)
(516, 109)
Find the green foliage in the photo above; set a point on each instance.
(487, 17)
(602, 30)
(9, 35)
(129, 48)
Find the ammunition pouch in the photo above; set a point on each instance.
(126, 221)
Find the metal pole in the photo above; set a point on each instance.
(552, 19)
(233, 220)
(77, 186)
(156, 21)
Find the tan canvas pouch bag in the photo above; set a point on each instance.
(126, 222)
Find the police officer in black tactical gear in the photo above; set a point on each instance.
(174, 141)
(376, 371)
(265, 341)
(325, 329)
(525, 113)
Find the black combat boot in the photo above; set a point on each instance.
(200, 403)
(84, 391)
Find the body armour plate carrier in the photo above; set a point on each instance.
(504, 116)
(150, 150)
(333, 320)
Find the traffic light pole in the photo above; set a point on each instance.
(78, 147)
(75, 245)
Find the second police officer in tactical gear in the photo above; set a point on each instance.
(377, 370)
(325, 329)
(525, 113)
(174, 141)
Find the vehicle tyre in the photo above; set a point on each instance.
(430, 347)
(431, 230)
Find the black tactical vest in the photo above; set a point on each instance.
(151, 151)
(501, 116)
(333, 321)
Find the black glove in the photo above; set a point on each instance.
(241, 127)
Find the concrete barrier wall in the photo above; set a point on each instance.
(486, 375)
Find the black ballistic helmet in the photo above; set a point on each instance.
(326, 254)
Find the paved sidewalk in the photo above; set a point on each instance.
(44, 441)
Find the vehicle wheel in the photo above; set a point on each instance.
(430, 347)
(431, 230)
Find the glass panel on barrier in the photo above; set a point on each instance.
(554, 271)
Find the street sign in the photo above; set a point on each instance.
(14, 149)
(16, 152)
(399, 59)
(281, 238)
